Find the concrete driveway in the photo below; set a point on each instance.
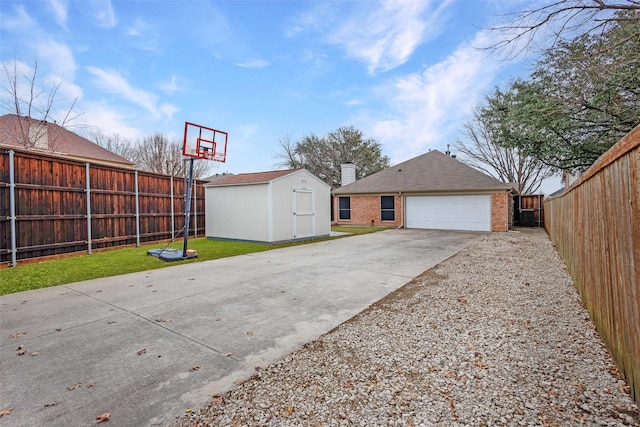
(147, 346)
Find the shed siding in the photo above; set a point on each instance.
(238, 212)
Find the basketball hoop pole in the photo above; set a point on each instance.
(187, 209)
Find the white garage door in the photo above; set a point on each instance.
(471, 212)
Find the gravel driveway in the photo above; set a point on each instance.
(495, 335)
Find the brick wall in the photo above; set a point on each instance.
(501, 211)
(365, 210)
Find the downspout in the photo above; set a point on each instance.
(401, 207)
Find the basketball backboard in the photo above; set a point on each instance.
(202, 142)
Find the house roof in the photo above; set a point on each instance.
(251, 178)
(61, 141)
(431, 172)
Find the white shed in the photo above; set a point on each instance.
(276, 206)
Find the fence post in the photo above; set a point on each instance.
(173, 231)
(195, 209)
(88, 191)
(137, 214)
(12, 208)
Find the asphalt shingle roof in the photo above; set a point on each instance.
(251, 178)
(431, 172)
(65, 142)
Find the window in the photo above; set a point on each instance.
(387, 208)
(344, 208)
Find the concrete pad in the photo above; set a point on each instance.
(147, 346)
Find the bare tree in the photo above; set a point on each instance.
(560, 21)
(114, 143)
(155, 153)
(288, 156)
(479, 149)
(34, 103)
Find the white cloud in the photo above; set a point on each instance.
(20, 21)
(104, 14)
(58, 57)
(139, 27)
(170, 86)
(253, 63)
(59, 8)
(109, 121)
(429, 107)
(387, 34)
(111, 81)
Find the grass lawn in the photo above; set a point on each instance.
(54, 272)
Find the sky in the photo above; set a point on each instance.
(407, 73)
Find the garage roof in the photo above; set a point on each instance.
(431, 172)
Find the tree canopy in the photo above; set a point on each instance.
(323, 156)
(582, 97)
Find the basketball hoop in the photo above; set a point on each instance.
(201, 142)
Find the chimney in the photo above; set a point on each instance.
(348, 173)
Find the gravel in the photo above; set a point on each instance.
(495, 335)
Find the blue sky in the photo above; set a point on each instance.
(406, 73)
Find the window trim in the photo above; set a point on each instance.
(344, 213)
(384, 211)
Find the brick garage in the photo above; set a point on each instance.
(429, 191)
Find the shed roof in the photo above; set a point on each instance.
(431, 172)
(251, 178)
(61, 140)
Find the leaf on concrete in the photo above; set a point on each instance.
(228, 354)
(194, 368)
(163, 320)
(462, 301)
(21, 352)
(103, 418)
(217, 399)
(250, 333)
(49, 405)
(7, 411)
(141, 352)
(74, 386)
(17, 335)
(35, 353)
(218, 319)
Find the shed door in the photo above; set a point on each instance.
(303, 213)
(469, 212)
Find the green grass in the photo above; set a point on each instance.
(114, 262)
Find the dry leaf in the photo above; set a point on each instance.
(6, 412)
(228, 354)
(58, 329)
(480, 364)
(249, 333)
(17, 335)
(35, 353)
(194, 368)
(462, 301)
(74, 387)
(188, 411)
(290, 410)
(89, 385)
(580, 387)
(218, 319)
(21, 352)
(98, 291)
(217, 399)
(163, 320)
(103, 418)
(141, 352)
(48, 405)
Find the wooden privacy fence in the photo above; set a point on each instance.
(52, 206)
(595, 226)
